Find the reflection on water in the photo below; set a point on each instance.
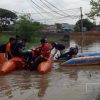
(89, 43)
(71, 83)
(43, 86)
(79, 83)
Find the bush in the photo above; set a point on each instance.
(26, 27)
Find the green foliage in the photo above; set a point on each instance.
(86, 23)
(6, 17)
(7, 14)
(26, 27)
(95, 8)
(98, 97)
(4, 38)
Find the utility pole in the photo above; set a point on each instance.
(81, 28)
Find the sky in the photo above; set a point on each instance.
(49, 11)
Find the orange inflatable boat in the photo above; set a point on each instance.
(17, 63)
(45, 67)
(2, 58)
(11, 65)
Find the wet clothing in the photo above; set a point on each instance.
(6, 48)
(35, 53)
(59, 47)
(18, 50)
(72, 51)
(45, 50)
(36, 62)
(2, 48)
(43, 54)
(2, 58)
(13, 46)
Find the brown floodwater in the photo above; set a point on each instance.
(62, 83)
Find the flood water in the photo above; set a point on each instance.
(62, 83)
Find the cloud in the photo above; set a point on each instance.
(27, 6)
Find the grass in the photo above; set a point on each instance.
(98, 97)
(33, 43)
(35, 40)
(4, 38)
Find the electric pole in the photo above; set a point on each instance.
(81, 28)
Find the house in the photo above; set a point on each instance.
(50, 28)
(96, 28)
(67, 27)
(58, 27)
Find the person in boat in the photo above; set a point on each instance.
(17, 39)
(43, 51)
(58, 47)
(19, 48)
(6, 48)
(19, 51)
(71, 53)
(14, 45)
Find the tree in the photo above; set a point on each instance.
(86, 23)
(95, 8)
(6, 17)
(26, 27)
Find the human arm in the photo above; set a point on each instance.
(8, 50)
(55, 52)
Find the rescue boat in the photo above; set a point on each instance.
(18, 63)
(11, 65)
(84, 54)
(79, 61)
(2, 58)
(45, 67)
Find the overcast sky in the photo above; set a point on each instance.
(38, 9)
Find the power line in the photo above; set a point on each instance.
(51, 12)
(55, 7)
(71, 16)
(44, 12)
(41, 8)
(58, 18)
(36, 10)
(58, 9)
(38, 7)
(51, 9)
